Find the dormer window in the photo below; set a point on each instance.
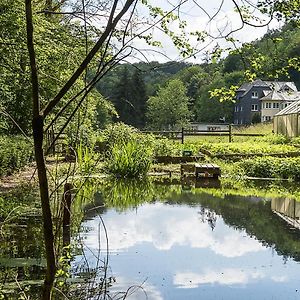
(254, 94)
(285, 88)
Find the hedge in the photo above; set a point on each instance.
(271, 167)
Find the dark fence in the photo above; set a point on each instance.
(180, 135)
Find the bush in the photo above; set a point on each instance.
(164, 146)
(275, 139)
(15, 153)
(296, 140)
(119, 133)
(271, 167)
(245, 148)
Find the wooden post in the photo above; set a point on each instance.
(182, 135)
(67, 199)
(230, 133)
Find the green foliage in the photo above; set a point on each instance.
(170, 108)
(214, 86)
(59, 46)
(15, 153)
(164, 146)
(87, 159)
(261, 128)
(17, 202)
(127, 193)
(268, 167)
(296, 141)
(118, 133)
(245, 148)
(130, 98)
(129, 159)
(276, 139)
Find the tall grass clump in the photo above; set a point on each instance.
(129, 159)
(87, 159)
(15, 153)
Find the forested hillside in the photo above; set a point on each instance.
(271, 58)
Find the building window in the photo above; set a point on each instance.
(275, 105)
(254, 107)
(268, 105)
(254, 94)
(267, 118)
(263, 105)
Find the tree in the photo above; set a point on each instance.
(39, 115)
(123, 98)
(113, 38)
(169, 109)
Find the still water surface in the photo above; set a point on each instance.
(199, 246)
(168, 242)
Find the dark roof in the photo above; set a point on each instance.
(277, 86)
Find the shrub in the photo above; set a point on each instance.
(15, 153)
(119, 133)
(164, 146)
(270, 167)
(129, 159)
(275, 139)
(245, 148)
(296, 140)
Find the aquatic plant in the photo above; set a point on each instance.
(129, 159)
(87, 159)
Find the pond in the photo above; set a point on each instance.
(174, 242)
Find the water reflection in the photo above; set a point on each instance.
(174, 240)
(188, 243)
(287, 209)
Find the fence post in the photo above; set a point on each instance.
(67, 200)
(182, 135)
(230, 133)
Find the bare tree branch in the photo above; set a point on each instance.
(109, 28)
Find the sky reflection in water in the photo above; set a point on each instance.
(190, 252)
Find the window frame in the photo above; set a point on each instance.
(253, 106)
(254, 94)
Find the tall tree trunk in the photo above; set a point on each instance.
(38, 134)
(38, 129)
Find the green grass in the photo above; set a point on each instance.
(261, 128)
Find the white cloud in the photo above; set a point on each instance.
(136, 292)
(279, 278)
(225, 21)
(223, 277)
(165, 227)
